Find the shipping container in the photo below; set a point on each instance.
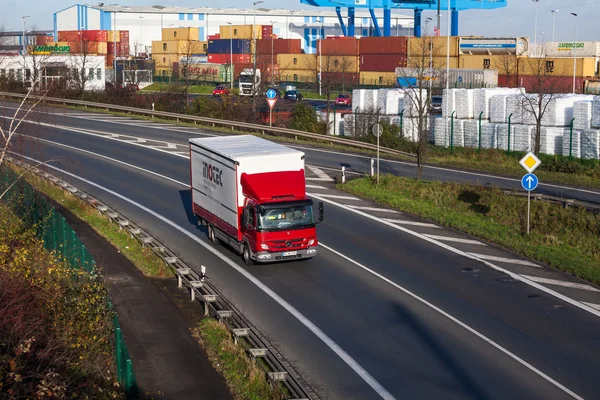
(381, 62)
(340, 78)
(43, 39)
(216, 36)
(494, 46)
(297, 61)
(222, 46)
(342, 46)
(267, 32)
(377, 78)
(243, 32)
(169, 34)
(69, 36)
(555, 84)
(383, 45)
(110, 60)
(435, 45)
(85, 47)
(226, 58)
(504, 64)
(586, 67)
(278, 46)
(206, 72)
(163, 71)
(297, 75)
(509, 81)
(86, 35)
(114, 36)
(342, 64)
(568, 49)
(124, 36)
(179, 46)
(592, 87)
(165, 60)
(465, 78)
(438, 62)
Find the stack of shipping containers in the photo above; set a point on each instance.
(435, 48)
(379, 58)
(340, 63)
(176, 44)
(95, 42)
(267, 52)
(297, 67)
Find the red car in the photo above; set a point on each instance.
(343, 100)
(220, 91)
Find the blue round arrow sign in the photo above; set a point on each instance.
(271, 94)
(529, 182)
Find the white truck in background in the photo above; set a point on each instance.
(249, 83)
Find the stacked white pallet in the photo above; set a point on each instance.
(364, 99)
(471, 128)
(390, 101)
(582, 112)
(498, 108)
(572, 143)
(590, 144)
(482, 100)
(596, 112)
(502, 137)
(551, 140)
(415, 102)
(410, 128)
(515, 108)
(457, 136)
(441, 133)
(489, 138)
(449, 101)
(522, 139)
(464, 103)
(560, 111)
(349, 124)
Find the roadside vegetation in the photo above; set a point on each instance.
(56, 338)
(564, 238)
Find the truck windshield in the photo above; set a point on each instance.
(295, 217)
(245, 78)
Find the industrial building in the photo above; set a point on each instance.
(145, 24)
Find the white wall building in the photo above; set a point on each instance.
(145, 23)
(55, 67)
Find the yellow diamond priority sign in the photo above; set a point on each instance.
(530, 162)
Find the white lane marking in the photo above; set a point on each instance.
(455, 239)
(339, 197)
(387, 210)
(315, 187)
(413, 223)
(168, 146)
(320, 173)
(465, 254)
(557, 282)
(318, 179)
(456, 321)
(596, 306)
(505, 260)
(358, 369)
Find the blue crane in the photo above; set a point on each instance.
(417, 5)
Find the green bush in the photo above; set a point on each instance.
(304, 118)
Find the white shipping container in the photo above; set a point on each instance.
(567, 49)
(217, 165)
(518, 45)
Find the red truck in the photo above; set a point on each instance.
(251, 195)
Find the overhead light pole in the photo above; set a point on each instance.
(231, 54)
(254, 54)
(23, 17)
(553, 18)
(272, 57)
(575, 53)
(535, 28)
(321, 59)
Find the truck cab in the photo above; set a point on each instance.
(249, 83)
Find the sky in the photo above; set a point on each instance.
(517, 19)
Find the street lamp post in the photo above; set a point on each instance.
(535, 27)
(254, 54)
(321, 59)
(141, 35)
(553, 18)
(575, 53)
(272, 57)
(448, 69)
(231, 55)
(23, 17)
(430, 56)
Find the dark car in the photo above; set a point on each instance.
(436, 105)
(292, 95)
(220, 91)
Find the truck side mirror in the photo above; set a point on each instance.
(320, 211)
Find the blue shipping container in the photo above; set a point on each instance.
(222, 46)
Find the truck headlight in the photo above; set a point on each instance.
(264, 246)
(311, 242)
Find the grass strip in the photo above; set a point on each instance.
(246, 380)
(564, 238)
(142, 257)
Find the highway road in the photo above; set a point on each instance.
(382, 312)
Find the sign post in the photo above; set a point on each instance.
(271, 99)
(529, 181)
(377, 131)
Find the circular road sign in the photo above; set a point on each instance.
(377, 130)
(529, 182)
(271, 94)
(460, 79)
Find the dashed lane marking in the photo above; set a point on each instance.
(315, 187)
(596, 306)
(505, 260)
(375, 209)
(320, 173)
(556, 282)
(455, 239)
(412, 223)
(338, 197)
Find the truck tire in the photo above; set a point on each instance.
(246, 255)
(212, 236)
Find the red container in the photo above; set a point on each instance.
(339, 46)
(238, 68)
(214, 37)
(383, 45)
(339, 78)
(556, 84)
(382, 62)
(507, 81)
(69, 36)
(280, 46)
(267, 31)
(42, 39)
(110, 60)
(95, 35)
(226, 59)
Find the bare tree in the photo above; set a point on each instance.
(33, 63)
(418, 78)
(507, 65)
(84, 64)
(544, 87)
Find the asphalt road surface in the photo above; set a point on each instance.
(380, 313)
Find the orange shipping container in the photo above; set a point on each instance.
(339, 64)
(377, 78)
(114, 36)
(165, 60)
(297, 61)
(342, 46)
(436, 45)
(179, 46)
(84, 47)
(498, 62)
(179, 34)
(586, 67)
(297, 75)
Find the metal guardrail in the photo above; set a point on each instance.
(590, 206)
(277, 370)
(218, 122)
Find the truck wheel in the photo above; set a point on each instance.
(212, 236)
(246, 255)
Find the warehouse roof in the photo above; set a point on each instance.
(231, 11)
